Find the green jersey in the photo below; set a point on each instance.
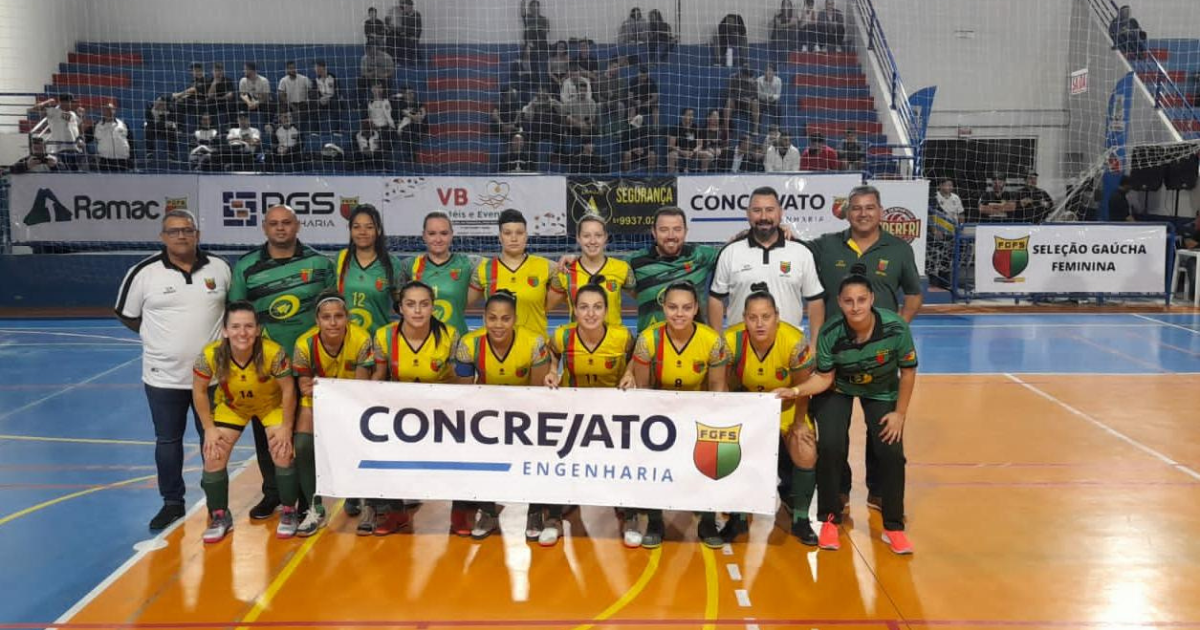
(890, 267)
(450, 281)
(367, 290)
(654, 273)
(871, 369)
(283, 290)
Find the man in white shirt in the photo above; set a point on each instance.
(242, 144)
(770, 89)
(174, 300)
(287, 152)
(62, 121)
(368, 142)
(781, 156)
(112, 142)
(948, 200)
(254, 91)
(293, 90)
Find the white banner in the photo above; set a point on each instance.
(813, 204)
(639, 448)
(234, 205)
(475, 203)
(79, 208)
(1070, 258)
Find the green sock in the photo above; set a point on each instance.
(804, 483)
(306, 466)
(289, 488)
(216, 489)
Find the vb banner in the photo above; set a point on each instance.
(638, 448)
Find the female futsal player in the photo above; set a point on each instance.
(865, 353)
(592, 236)
(254, 380)
(682, 355)
(417, 349)
(367, 274)
(525, 276)
(447, 272)
(500, 353)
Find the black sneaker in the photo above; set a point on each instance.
(264, 509)
(653, 538)
(708, 533)
(803, 530)
(734, 527)
(353, 507)
(169, 513)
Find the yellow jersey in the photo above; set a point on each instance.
(311, 359)
(243, 391)
(681, 369)
(431, 362)
(601, 366)
(753, 373)
(475, 357)
(530, 282)
(618, 276)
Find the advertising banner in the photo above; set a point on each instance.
(1072, 258)
(82, 208)
(639, 448)
(475, 203)
(626, 204)
(234, 205)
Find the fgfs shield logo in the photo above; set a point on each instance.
(239, 208)
(718, 450)
(1010, 258)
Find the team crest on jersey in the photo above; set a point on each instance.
(305, 274)
(785, 266)
(881, 266)
(436, 365)
(379, 284)
(210, 284)
(881, 357)
(780, 374)
(348, 367)
(534, 281)
(455, 273)
(911, 356)
(610, 363)
(718, 450)
(521, 372)
(687, 266)
(611, 285)
(698, 366)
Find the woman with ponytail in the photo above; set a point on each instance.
(367, 275)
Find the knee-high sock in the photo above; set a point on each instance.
(289, 488)
(804, 483)
(306, 465)
(216, 489)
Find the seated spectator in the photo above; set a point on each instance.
(741, 96)
(589, 66)
(535, 29)
(576, 97)
(112, 142)
(206, 141)
(1118, 204)
(634, 29)
(376, 66)
(192, 101)
(587, 160)
(254, 91)
(714, 140)
(38, 160)
(220, 97)
(659, 37)
(506, 115)
(781, 156)
(559, 65)
(374, 29)
(368, 143)
(948, 201)
(523, 73)
(730, 42)
(293, 91)
(995, 204)
(769, 89)
(404, 32)
(819, 156)
(831, 28)
(636, 141)
(683, 143)
(806, 26)
(288, 151)
(853, 153)
(610, 89)
(63, 122)
(410, 125)
(324, 96)
(518, 157)
(379, 111)
(242, 145)
(1127, 35)
(785, 28)
(1033, 203)
(747, 156)
(542, 119)
(644, 95)
(160, 131)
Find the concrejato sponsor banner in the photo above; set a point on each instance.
(626, 204)
(638, 448)
(81, 208)
(474, 203)
(234, 205)
(1070, 258)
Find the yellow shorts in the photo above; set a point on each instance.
(788, 419)
(223, 416)
(306, 401)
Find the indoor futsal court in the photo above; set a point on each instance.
(1053, 482)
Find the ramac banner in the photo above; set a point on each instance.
(643, 448)
(474, 203)
(1070, 258)
(82, 208)
(234, 206)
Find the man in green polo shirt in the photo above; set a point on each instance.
(282, 279)
(891, 268)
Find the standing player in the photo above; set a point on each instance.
(254, 384)
(669, 260)
(527, 277)
(500, 353)
(594, 353)
(592, 236)
(334, 348)
(282, 280)
(417, 349)
(767, 354)
(367, 275)
(447, 272)
(678, 354)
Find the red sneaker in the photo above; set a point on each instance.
(460, 521)
(829, 536)
(392, 522)
(898, 542)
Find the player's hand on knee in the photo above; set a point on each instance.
(892, 427)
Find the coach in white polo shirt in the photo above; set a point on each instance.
(766, 255)
(174, 300)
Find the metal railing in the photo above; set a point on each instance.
(877, 46)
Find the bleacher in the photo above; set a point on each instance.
(1181, 59)
(823, 92)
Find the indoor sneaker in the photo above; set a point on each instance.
(220, 524)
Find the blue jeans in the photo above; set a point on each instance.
(168, 410)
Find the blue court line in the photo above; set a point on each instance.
(384, 464)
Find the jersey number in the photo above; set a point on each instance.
(245, 394)
(359, 299)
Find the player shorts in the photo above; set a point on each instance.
(223, 416)
(306, 401)
(786, 421)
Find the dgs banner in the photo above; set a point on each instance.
(82, 208)
(638, 448)
(1070, 258)
(627, 204)
(475, 203)
(234, 205)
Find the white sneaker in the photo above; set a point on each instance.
(484, 526)
(804, 48)
(633, 535)
(220, 525)
(288, 522)
(314, 519)
(549, 535)
(533, 524)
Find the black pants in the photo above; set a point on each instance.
(266, 465)
(833, 412)
(872, 463)
(169, 411)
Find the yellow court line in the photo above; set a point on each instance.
(45, 438)
(276, 585)
(74, 495)
(710, 586)
(633, 592)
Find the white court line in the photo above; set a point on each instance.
(22, 331)
(1162, 323)
(743, 598)
(1107, 429)
(8, 414)
(735, 573)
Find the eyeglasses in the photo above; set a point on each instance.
(180, 231)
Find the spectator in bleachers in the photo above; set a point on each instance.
(636, 141)
(1118, 204)
(404, 32)
(634, 29)
(288, 149)
(523, 73)
(376, 67)
(660, 39)
(38, 160)
(819, 156)
(741, 97)
(781, 156)
(254, 91)
(506, 115)
(242, 145)
(644, 95)
(518, 157)
(1127, 35)
(293, 91)
(576, 95)
(112, 142)
(610, 90)
(535, 29)
(683, 142)
(1033, 203)
(410, 124)
(374, 30)
(586, 60)
(948, 201)
(191, 101)
(542, 119)
(714, 153)
(806, 26)
(785, 27)
(853, 153)
(206, 141)
(219, 95)
(747, 156)
(769, 88)
(87, 133)
(559, 65)
(830, 29)
(379, 111)
(587, 160)
(731, 41)
(160, 131)
(996, 203)
(368, 142)
(324, 97)
(62, 121)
